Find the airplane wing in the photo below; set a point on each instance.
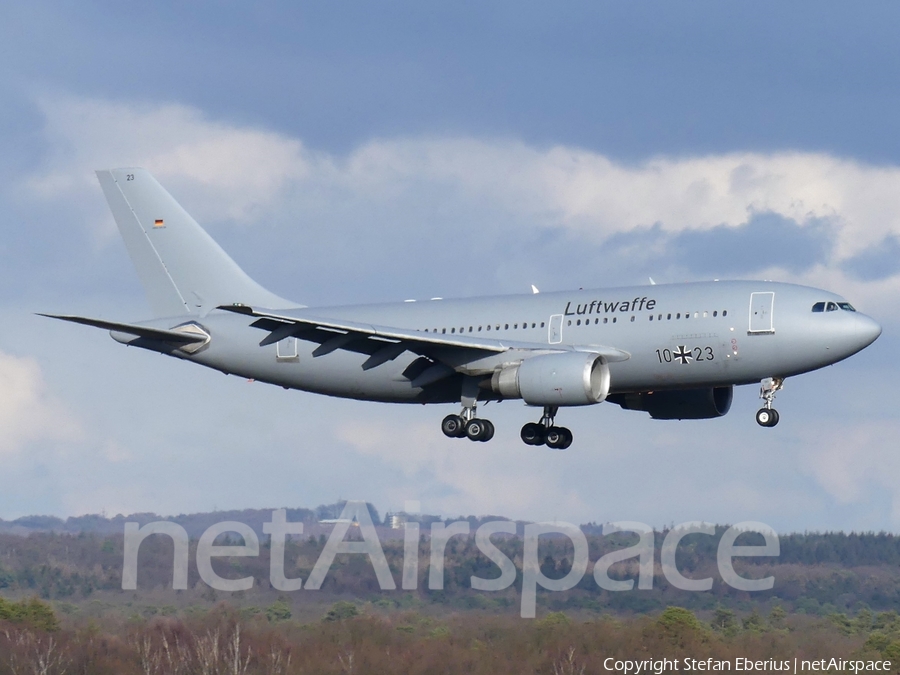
(385, 343)
(162, 335)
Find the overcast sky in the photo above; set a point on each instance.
(347, 152)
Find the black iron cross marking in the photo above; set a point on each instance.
(683, 354)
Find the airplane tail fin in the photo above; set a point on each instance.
(182, 270)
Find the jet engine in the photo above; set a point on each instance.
(564, 379)
(679, 404)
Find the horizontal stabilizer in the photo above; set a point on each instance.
(163, 335)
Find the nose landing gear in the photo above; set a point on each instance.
(767, 416)
(546, 432)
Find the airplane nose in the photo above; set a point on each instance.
(867, 330)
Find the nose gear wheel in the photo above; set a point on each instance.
(767, 416)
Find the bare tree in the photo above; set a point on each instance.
(346, 661)
(279, 660)
(177, 655)
(149, 655)
(33, 655)
(233, 662)
(567, 664)
(208, 654)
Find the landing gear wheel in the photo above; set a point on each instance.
(767, 417)
(453, 426)
(488, 431)
(475, 429)
(533, 434)
(559, 438)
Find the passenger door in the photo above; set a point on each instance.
(762, 306)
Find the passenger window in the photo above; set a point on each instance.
(452, 330)
(725, 312)
(614, 319)
(669, 317)
(678, 316)
(632, 319)
(542, 324)
(715, 314)
(570, 322)
(605, 320)
(819, 307)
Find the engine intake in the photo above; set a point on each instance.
(566, 379)
(680, 404)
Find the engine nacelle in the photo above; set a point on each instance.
(567, 378)
(680, 404)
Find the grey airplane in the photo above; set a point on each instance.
(675, 351)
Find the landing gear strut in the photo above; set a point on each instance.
(767, 416)
(466, 424)
(546, 432)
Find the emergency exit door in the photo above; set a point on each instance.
(555, 332)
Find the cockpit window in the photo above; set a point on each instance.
(833, 307)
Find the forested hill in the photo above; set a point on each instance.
(848, 549)
(80, 559)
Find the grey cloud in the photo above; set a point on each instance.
(877, 262)
(766, 240)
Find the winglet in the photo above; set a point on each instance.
(534, 289)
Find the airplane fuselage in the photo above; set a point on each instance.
(704, 334)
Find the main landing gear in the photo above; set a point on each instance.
(466, 424)
(473, 428)
(768, 416)
(545, 431)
